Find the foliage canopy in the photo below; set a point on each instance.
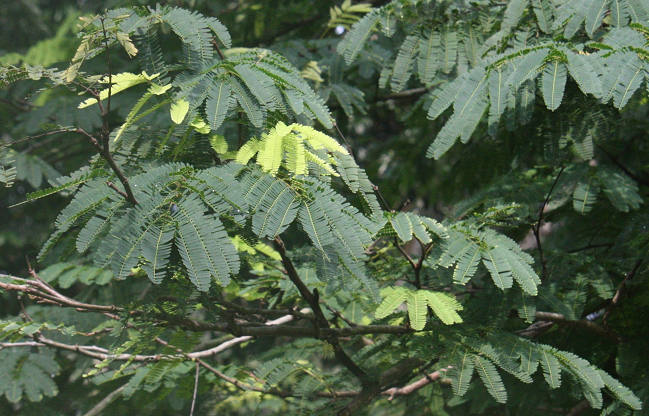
(233, 207)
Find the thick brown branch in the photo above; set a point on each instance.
(582, 323)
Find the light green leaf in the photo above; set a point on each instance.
(178, 110)
(119, 82)
(393, 297)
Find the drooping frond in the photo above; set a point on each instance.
(273, 203)
(87, 199)
(204, 246)
(470, 104)
(502, 257)
(490, 378)
(246, 101)
(65, 274)
(354, 41)
(129, 234)
(461, 371)
(585, 195)
(513, 13)
(220, 189)
(619, 391)
(7, 168)
(96, 226)
(402, 68)
(622, 191)
(156, 249)
(195, 31)
(407, 225)
(553, 83)
(219, 101)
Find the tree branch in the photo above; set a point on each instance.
(321, 322)
(581, 323)
(231, 343)
(537, 228)
(191, 412)
(620, 291)
(412, 387)
(99, 407)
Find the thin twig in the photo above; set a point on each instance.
(620, 291)
(557, 318)
(116, 189)
(342, 136)
(624, 169)
(234, 341)
(536, 229)
(412, 387)
(405, 254)
(415, 92)
(218, 50)
(590, 246)
(339, 315)
(99, 407)
(110, 73)
(191, 411)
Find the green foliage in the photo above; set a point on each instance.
(28, 374)
(501, 256)
(254, 213)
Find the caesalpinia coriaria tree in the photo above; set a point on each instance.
(223, 250)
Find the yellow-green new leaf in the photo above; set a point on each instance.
(248, 150)
(444, 306)
(318, 140)
(218, 144)
(200, 125)
(126, 43)
(179, 110)
(119, 82)
(292, 146)
(271, 152)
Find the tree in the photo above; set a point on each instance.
(249, 224)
